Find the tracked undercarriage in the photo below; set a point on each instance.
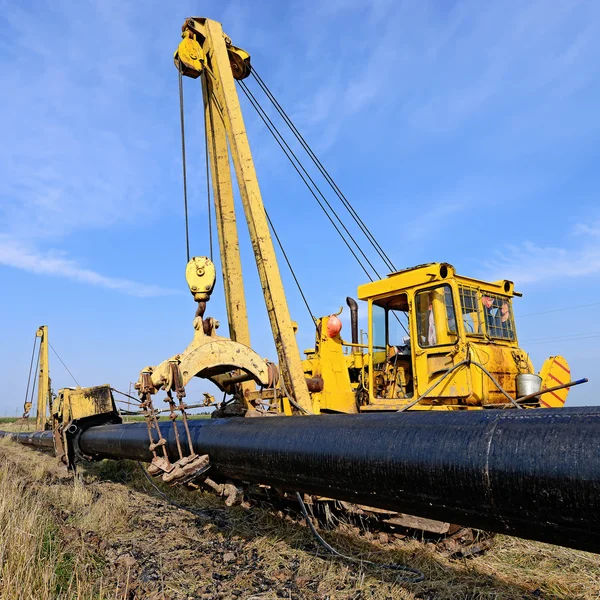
(384, 527)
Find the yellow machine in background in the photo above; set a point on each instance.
(71, 409)
(44, 384)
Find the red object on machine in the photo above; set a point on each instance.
(334, 326)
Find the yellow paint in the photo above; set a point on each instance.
(44, 392)
(225, 217)
(451, 319)
(209, 356)
(329, 362)
(78, 403)
(200, 274)
(189, 56)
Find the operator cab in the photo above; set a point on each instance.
(425, 320)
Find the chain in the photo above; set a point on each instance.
(158, 464)
(183, 161)
(177, 382)
(185, 468)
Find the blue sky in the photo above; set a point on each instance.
(464, 132)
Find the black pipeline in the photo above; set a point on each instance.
(528, 473)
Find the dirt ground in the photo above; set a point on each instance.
(114, 537)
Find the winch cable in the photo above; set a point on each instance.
(417, 576)
(287, 260)
(183, 162)
(136, 400)
(299, 168)
(63, 364)
(29, 376)
(289, 396)
(208, 173)
(289, 154)
(35, 377)
(386, 259)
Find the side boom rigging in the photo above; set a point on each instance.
(454, 324)
(218, 61)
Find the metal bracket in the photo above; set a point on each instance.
(72, 434)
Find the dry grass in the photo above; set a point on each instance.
(37, 562)
(19, 425)
(105, 534)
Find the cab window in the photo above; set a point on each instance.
(471, 310)
(390, 322)
(436, 318)
(498, 314)
(391, 357)
(379, 327)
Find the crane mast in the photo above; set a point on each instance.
(44, 394)
(206, 51)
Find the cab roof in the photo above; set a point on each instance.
(423, 275)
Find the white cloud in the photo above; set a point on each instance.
(18, 255)
(85, 152)
(530, 263)
(438, 70)
(592, 230)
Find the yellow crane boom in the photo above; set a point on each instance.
(44, 393)
(206, 51)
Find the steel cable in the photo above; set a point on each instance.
(208, 203)
(366, 231)
(282, 144)
(183, 161)
(264, 113)
(63, 364)
(285, 256)
(30, 369)
(126, 395)
(417, 575)
(35, 377)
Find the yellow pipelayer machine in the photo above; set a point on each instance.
(436, 340)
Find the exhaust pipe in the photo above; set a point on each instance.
(353, 306)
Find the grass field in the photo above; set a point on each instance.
(106, 534)
(17, 424)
